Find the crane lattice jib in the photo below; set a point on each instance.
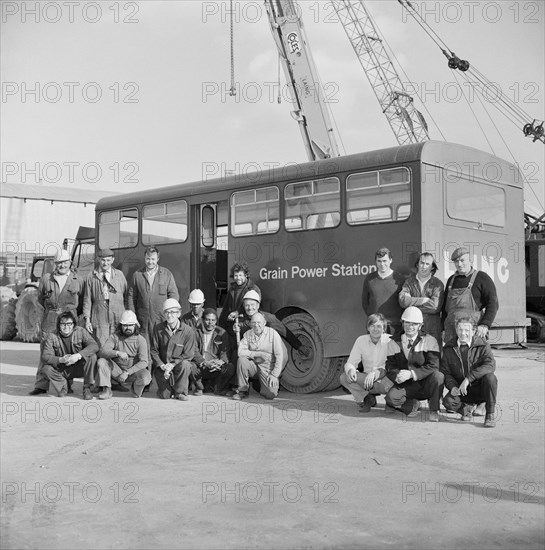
(311, 107)
(406, 121)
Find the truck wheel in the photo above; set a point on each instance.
(8, 299)
(28, 315)
(305, 372)
(535, 333)
(336, 367)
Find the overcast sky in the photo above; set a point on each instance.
(130, 95)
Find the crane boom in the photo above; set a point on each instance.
(406, 121)
(311, 109)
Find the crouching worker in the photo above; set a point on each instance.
(173, 348)
(69, 352)
(212, 357)
(124, 357)
(371, 350)
(413, 366)
(263, 355)
(468, 365)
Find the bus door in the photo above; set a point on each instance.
(210, 248)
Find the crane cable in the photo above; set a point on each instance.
(232, 90)
(532, 129)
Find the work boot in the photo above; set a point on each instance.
(197, 393)
(106, 393)
(37, 391)
(480, 410)
(489, 421)
(63, 392)
(182, 397)
(368, 402)
(434, 416)
(415, 408)
(87, 395)
(466, 411)
(240, 395)
(388, 409)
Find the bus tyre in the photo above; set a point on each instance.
(8, 299)
(305, 372)
(336, 368)
(28, 315)
(535, 333)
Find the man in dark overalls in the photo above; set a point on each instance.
(469, 293)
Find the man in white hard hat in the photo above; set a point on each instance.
(412, 365)
(58, 292)
(173, 348)
(193, 317)
(124, 358)
(261, 355)
(251, 305)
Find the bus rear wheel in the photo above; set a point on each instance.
(307, 368)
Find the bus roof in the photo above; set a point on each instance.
(435, 153)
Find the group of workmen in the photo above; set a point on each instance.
(421, 337)
(438, 339)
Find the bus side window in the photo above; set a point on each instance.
(312, 204)
(255, 211)
(379, 196)
(118, 228)
(164, 223)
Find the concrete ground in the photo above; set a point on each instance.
(298, 472)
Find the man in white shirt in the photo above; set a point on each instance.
(371, 350)
(261, 354)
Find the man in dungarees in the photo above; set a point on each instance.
(469, 293)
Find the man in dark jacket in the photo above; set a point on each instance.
(412, 364)
(240, 273)
(150, 287)
(58, 292)
(212, 356)
(69, 352)
(468, 365)
(173, 347)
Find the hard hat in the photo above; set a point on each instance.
(171, 303)
(129, 318)
(62, 256)
(252, 295)
(196, 297)
(412, 315)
